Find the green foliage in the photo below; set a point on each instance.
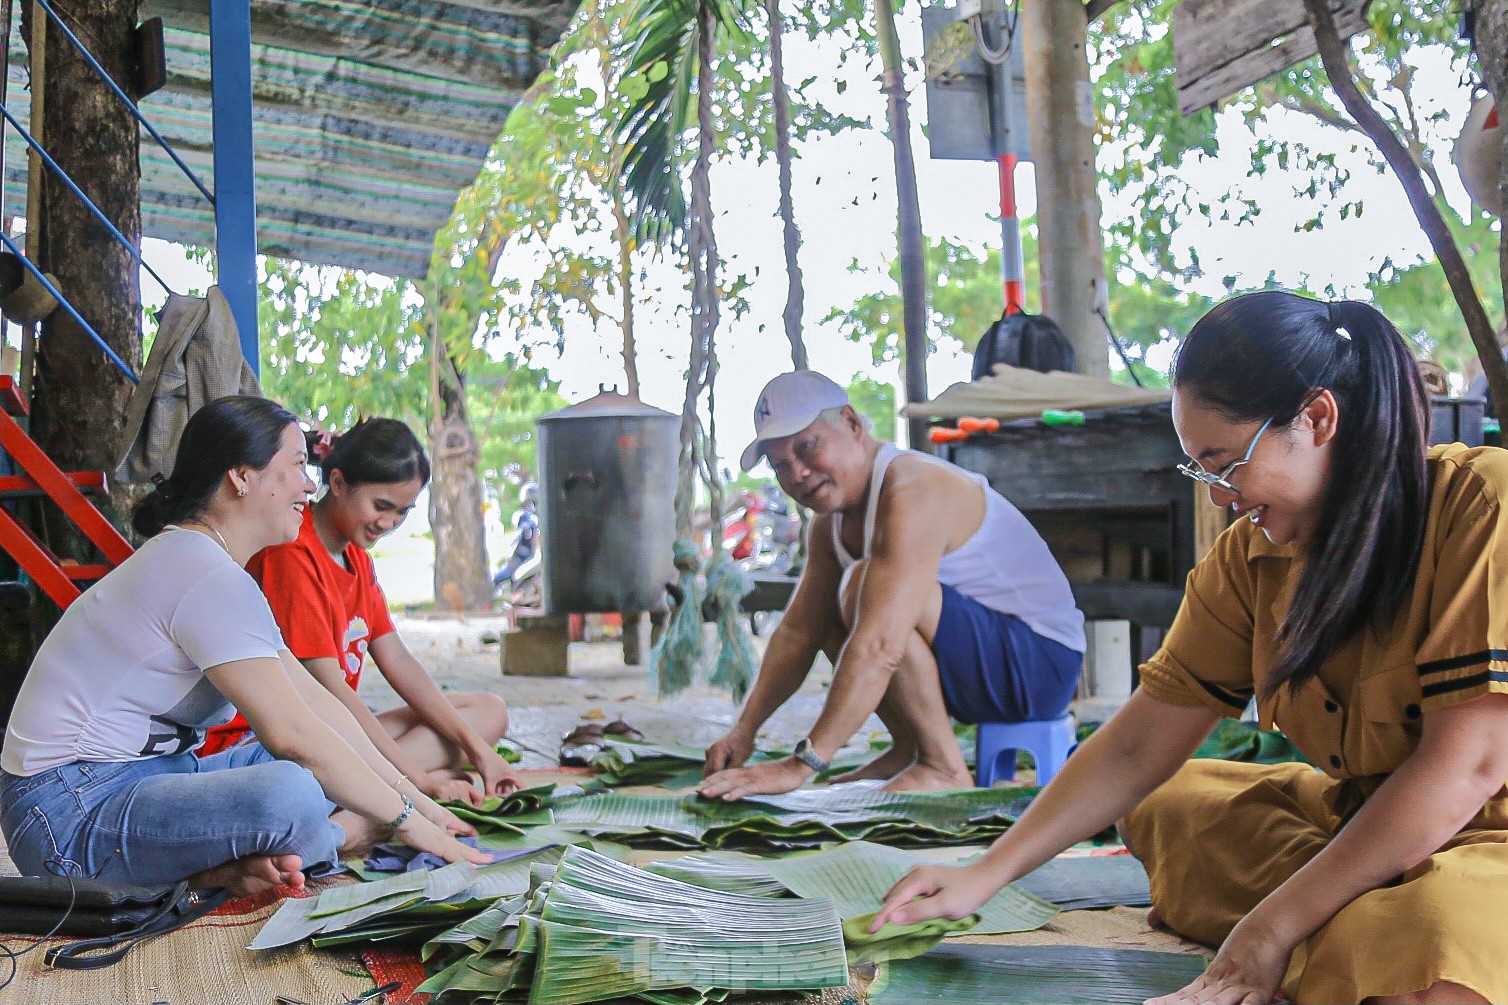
(655, 69)
(1147, 145)
(1148, 312)
(966, 298)
(875, 399)
(504, 398)
(337, 345)
(1416, 298)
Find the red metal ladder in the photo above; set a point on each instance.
(41, 477)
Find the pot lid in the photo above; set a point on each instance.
(608, 404)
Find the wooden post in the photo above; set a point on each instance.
(1210, 521)
(1060, 110)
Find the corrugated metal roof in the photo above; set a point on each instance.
(370, 117)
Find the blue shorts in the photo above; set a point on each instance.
(994, 668)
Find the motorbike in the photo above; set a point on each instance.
(523, 590)
(761, 533)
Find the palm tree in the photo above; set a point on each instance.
(673, 44)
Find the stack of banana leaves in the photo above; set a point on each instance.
(592, 929)
(805, 818)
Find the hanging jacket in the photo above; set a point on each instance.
(195, 359)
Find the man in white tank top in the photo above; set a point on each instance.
(931, 594)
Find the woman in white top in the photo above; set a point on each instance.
(99, 778)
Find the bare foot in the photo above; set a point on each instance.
(361, 833)
(252, 874)
(889, 764)
(925, 778)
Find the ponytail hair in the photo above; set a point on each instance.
(374, 451)
(1268, 354)
(227, 433)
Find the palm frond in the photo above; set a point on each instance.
(660, 61)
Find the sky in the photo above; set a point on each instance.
(844, 196)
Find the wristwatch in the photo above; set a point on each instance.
(402, 818)
(807, 756)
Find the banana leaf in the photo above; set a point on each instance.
(1032, 975)
(856, 877)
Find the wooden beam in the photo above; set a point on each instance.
(1222, 46)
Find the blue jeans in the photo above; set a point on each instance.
(164, 819)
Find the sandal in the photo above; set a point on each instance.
(620, 728)
(581, 744)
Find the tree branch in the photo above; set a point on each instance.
(1337, 62)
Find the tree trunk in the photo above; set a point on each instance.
(463, 581)
(908, 220)
(795, 296)
(1337, 62)
(624, 239)
(1492, 56)
(80, 396)
(1054, 34)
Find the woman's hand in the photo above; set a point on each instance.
(441, 817)
(443, 788)
(1248, 969)
(422, 834)
(498, 776)
(948, 891)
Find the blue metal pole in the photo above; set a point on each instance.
(73, 187)
(67, 307)
(235, 174)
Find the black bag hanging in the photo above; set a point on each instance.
(1029, 341)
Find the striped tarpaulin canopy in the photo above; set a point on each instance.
(370, 117)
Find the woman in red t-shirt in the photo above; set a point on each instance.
(323, 590)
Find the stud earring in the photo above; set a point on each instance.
(241, 491)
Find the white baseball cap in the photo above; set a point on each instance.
(787, 405)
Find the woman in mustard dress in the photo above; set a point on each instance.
(1362, 600)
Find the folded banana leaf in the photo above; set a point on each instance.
(897, 942)
(415, 898)
(1032, 975)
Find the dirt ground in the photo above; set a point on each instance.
(601, 686)
(600, 683)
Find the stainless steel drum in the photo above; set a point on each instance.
(607, 484)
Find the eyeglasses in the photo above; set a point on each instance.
(1222, 480)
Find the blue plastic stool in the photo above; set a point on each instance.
(1048, 742)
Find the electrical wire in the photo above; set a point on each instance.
(9, 955)
(989, 53)
(1120, 349)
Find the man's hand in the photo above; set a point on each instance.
(763, 779)
(729, 752)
